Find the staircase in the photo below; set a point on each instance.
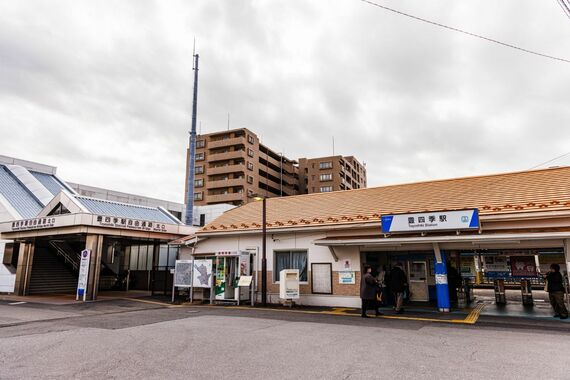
(50, 274)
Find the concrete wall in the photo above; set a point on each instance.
(343, 295)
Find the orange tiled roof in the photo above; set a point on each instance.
(536, 190)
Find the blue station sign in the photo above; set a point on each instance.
(431, 221)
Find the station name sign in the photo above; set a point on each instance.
(33, 224)
(431, 221)
(131, 224)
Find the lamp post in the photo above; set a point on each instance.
(264, 254)
(263, 247)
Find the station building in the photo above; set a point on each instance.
(491, 226)
(45, 223)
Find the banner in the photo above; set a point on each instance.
(523, 266)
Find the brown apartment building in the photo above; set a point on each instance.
(333, 173)
(232, 166)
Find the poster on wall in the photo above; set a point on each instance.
(546, 260)
(467, 266)
(321, 278)
(496, 266)
(347, 277)
(523, 266)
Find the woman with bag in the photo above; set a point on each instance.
(368, 291)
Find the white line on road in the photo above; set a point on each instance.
(17, 303)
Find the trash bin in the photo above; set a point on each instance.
(500, 295)
(526, 290)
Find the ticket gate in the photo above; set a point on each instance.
(526, 290)
(500, 294)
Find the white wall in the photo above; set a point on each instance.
(316, 254)
(7, 278)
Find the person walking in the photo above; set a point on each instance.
(398, 284)
(555, 288)
(368, 290)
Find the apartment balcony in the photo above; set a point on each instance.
(225, 183)
(226, 156)
(226, 169)
(230, 197)
(226, 142)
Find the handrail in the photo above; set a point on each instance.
(67, 257)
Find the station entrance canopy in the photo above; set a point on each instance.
(70, 223)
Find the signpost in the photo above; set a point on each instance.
(431, 221)
(83, 275)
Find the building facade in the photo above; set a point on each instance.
(333, 173)
(508, 226)
(232, 166)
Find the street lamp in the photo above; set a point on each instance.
(263, 248)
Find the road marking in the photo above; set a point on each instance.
(153, 302)
(17, 303)
(474, 314)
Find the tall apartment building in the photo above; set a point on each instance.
(231, 166)
(333, 173)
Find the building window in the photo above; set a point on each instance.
(199, 169)
(325, 165)
(249, 166)
(290, 260)
(249, 192)
(326, 189)
(250, 139)
(200, 156)
(250, 152)
(198, 196)
(199, 182)
(326, 177)
(249, 179)
(200, 143)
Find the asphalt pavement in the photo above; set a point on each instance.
(146, 340)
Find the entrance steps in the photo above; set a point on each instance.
(51, 275)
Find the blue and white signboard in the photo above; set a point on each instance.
(83, 274)
(431, 221)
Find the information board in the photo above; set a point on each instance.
(347, 277)
(202, 273)
(321, 278)
(183, 274)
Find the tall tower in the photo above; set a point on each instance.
(192, 149)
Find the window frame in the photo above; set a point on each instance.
(325, 191)
(325, 165)
(199, 182)
(275, 275)
(325, 177)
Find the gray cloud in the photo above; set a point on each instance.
(103, 90)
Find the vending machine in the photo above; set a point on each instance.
(230, 266)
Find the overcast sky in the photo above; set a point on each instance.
(103, 89)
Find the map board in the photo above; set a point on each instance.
(321, 278)
(183, 273)
(202, 273)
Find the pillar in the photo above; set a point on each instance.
(24, 269)
(441, 287)
(94, 243)
(567, 254)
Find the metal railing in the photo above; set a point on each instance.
(66, 253)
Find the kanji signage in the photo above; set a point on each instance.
(33, 224)
(133, 224)
(431, 221)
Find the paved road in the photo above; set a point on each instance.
(127, 339)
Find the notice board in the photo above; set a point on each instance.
(321, 278)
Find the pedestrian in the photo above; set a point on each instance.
(454, 282)
(555, 288)
(382, 284)
(398, 284)
(368, 290)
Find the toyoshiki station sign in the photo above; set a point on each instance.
(431, 221)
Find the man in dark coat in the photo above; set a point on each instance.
(555, 290)
(398, 284)
(368, 290)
